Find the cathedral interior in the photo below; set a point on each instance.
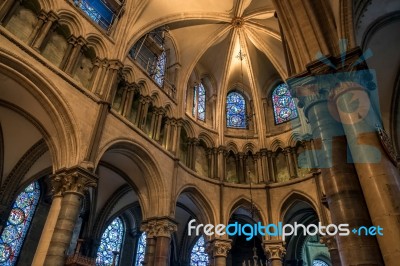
(123, 120)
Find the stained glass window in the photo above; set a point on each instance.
(17, 225)
(111, 240)
(160, 69)
(319, 263)
(97, 10)
(199, 102)
(235, 110)
(141, 249)
(198, 256)
(284, 106)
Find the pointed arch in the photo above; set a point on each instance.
(293, 198)
(198, 198)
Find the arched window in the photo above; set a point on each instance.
(198, 256)
(141, 249)
(284, 106)
(235, 110)
(199, 102)
(319, 263)
(18, 222)
(99, 11)
(111, 240)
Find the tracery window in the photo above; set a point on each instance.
(199, 102)
(98, 11)
(235, 110)
(198, 256)
(111, 240)
(319, 263)
(284, 106)
(17, 225)
(141, 249)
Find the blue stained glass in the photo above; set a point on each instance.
(319, 263)
(284, 106)
(17, 225)
(97, 10)
(198, 256)
(111, 240)
(160, 69)
(141, 250)
(194, 101)
(235, 110)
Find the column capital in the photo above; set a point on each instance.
(274, 249)
(329, 241)
(115, 64)
(160, 226)
(51, 16)
(219, 247)
(165, 227)
(72, 180)
(149, 227)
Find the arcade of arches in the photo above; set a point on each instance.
(121, 121)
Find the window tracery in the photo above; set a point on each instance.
(235, 110)
(284, 106)
(141, 249)
(198, 256)
(199, 102)
(111, 241)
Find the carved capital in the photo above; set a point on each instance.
(219, 247)
(329, 241)
(165, 227)
(157, 227)
(274, 250)
(72, 180)
(149, 227)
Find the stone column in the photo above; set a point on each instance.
(210, 161)
(340, 180)
(275, 251)
(265, 165)
(164, 228)
(7, 9)
(149, 227)
(100, 68)
(271, 171)
(127, 101)
(330, 243)
(41, 20)
(218, 251)
(51, 18)
(74, 55)
(377, 172)
(215, 163)
(241, 168)
(176, 137)
(221, 163)
(73, 182)
(167, 134)
(107, 87)
(194, 143)
(159, 118)
(289, 161)
(273, 166)
(49, 226)
(143, 115)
